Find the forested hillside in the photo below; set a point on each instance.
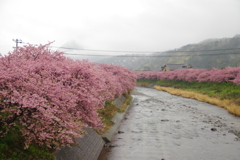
(210, 53)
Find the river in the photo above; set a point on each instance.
(160, 126)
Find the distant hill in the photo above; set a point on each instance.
(199, 55)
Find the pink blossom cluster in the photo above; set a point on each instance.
(52, 98)
(215, 75)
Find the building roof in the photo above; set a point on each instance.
(172, 67)
(175, 66)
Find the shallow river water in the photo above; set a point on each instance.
(160, 126)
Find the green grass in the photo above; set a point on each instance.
(110, 110)
(107, 114)
(12, 148)
(223, 90)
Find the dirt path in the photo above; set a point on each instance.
(162, 126)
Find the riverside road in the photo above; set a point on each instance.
(160, 126)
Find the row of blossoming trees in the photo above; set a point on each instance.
(51, 98)
(190, 75)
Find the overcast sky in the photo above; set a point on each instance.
(135, 25)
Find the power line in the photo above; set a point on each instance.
(175, 51)
(97, 50)
(151, 55)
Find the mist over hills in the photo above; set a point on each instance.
(77, 54)
(210, 53)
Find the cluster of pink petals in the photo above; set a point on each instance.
(53, 97)
(201, 75)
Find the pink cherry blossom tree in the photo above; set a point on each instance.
(201, 75)
(52, 98)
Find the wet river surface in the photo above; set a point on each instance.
(160, 126)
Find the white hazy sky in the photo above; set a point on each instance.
(138, 25)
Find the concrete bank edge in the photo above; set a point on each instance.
(89, 147)
(118, 117)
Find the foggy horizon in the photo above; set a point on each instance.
(134, 25)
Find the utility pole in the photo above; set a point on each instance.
(17, 41)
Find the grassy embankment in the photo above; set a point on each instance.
(224, 94)
(12, 147)
(110, 110)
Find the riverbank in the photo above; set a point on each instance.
(159, 124)
(225, 95)
(91, 144)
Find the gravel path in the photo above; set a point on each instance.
(160, 126)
